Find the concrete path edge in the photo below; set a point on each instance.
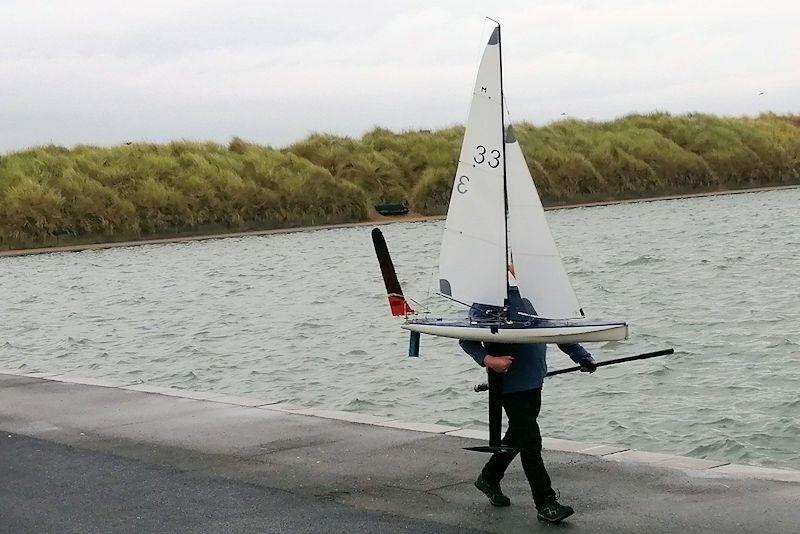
(695, 466)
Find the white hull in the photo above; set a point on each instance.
(548, 334)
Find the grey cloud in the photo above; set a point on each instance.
(106, 72)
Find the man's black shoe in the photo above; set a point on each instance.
(492, 491)
(553, 512)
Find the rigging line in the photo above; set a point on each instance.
(431, 277)
(419, 304)
(496, 315)
(507, 110)
(470, 236)
(431, 281)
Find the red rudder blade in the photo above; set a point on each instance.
(397, 301)
(399, 305)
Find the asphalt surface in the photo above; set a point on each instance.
(105, 459)
(48, 487)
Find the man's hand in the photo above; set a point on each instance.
(498, 364)
(588, 366)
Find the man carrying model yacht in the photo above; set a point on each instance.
(524, 367)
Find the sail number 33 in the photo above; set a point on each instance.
(492, 159)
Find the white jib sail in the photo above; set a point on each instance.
(538, 269)
(472, 263)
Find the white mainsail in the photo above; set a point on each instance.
(472, 263)
(538, 268)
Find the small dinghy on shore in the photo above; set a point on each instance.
(496, 240)
(391, 209)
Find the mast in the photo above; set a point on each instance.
(503, 138)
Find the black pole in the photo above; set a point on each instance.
(483, 387)
(644, 356)
(495, 407)
(495, 388)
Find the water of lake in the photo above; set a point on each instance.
(303, 318)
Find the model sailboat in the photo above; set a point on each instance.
(496, 238)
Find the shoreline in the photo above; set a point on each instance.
(376, 220)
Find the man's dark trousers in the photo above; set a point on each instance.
(522, 409)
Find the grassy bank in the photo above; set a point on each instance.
(55, 196)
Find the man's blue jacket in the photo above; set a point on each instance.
(530, 359)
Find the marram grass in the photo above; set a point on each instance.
(50, 195)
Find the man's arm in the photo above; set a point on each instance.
(475, 349)
(477, 352)
(579, 355)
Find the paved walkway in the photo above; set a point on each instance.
(361, 477)
(49, 487)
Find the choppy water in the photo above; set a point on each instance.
(303, 318)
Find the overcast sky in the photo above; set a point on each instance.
(105, 72)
